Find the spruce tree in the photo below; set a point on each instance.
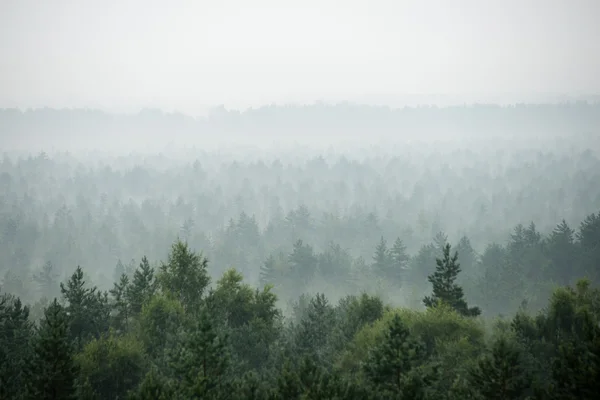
(382, 259)
(16, 331)
(202, 361)
(47, 280)
(142, 287)
(154, 386)
(185, 275)
(444, 287)
(268, 271)
(501, 375)
(55, 370)
(390, 363)
(315, 328)
(87, 308)
(399, 261)
(120, 305)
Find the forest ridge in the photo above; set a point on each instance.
(46, 128)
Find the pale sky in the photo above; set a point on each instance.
(188, 55)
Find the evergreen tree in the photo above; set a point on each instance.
(382, 259)
(15, 348)
(119, 271)
(185, 275)
(440, 240)
(87, 308)
(303, 265)
(154, 386)
(202, 361)
(399, 261)
(268, 271)
(142, 287)
(112, 365)
(390, 363)
(47, 280)
(55, 370)
(120, 305)
(562, 252)
(444, 288)
(468, 256)
(315, 328)
(501, 374)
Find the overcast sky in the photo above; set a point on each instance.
(187, 55)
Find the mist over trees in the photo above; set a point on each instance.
(456, 267)
(153, 130)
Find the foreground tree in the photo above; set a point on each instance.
(55, 370)
(185, 275)
(501, 373)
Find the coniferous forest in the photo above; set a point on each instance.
(416, 272)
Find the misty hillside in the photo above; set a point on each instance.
(433, 255)
(52, 129)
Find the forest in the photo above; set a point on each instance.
(419, 271)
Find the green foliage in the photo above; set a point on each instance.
(87, 308)
(501, 374)
(399, 260)
(184, 275)
(121, 307)
(154, 386)
(444, 288)
(16, 333)
(159, 323)
(251, 316)
(382, 259)
(54, 368)
(303, 265)
(113, 365)
(391, 361)
(201, 362)
(142, 288)
(313, 335)
(231, 341)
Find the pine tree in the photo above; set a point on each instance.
(501, 374)
(203, 360)
(55, 370)
(315, 328)
(390, 363)
(119, 271)
(47, 280)
(562, 252)
(185, 275)
(382, 259)
(87, 308)
(268, 271)
(15, 348)
(303, 265)
(142, 287)
(120, 305)
(154, 386)
(440, 241)
(444, 288)
(399, 261)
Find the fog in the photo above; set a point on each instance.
(189, 56)
(278, 189)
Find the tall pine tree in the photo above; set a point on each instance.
(444, 287)
(55, 370)
(399, 262)
(142, 287)
(382, 259)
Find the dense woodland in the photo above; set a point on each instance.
(416, 272)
